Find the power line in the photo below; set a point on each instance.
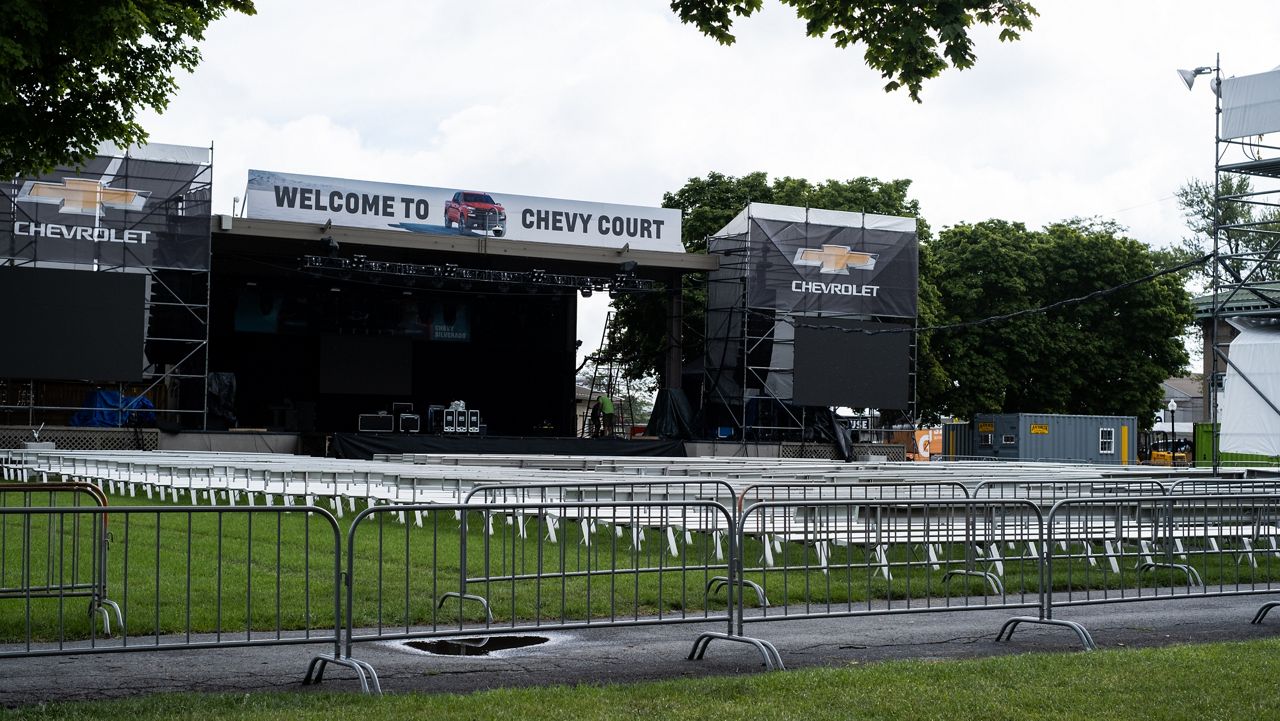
(790, 320)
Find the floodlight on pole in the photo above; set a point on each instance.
(1189, 76)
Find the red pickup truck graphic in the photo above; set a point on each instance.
(473, 210)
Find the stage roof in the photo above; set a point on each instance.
(647, 260)
(815, 216)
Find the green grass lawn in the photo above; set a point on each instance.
(234, 571)
(1220, 681)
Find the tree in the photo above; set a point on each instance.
(1106, 355)
(75, 74)
(1251, 235)
(708, 204)
(907, 42)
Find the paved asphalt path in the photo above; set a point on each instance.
(629, 654)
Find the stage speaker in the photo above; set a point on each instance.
(451, 420)
(410, 423)
(376, 423)
(473, 421)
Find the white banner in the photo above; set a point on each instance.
(417, 209)
(1251, 105)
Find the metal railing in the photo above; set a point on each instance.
(186, 577)
(1143, 548)
(73, 564)
(525, 557)
(836, 558)
(503, 569)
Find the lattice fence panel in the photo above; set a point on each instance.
(85, 439)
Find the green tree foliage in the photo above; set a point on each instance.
(1106, 355)
(1250, 231)
(76, 73)
(908, 42)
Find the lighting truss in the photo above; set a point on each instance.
(622, 282)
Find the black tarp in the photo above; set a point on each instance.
(671, 417)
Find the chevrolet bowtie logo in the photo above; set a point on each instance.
(82, 196)
(836, 259)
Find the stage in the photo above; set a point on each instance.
(363, 446)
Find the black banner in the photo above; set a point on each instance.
(806, 267)
(146, 209)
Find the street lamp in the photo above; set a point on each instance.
(1173, 426)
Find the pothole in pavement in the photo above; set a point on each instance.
(479, 646)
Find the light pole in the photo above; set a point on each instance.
(1173, 430)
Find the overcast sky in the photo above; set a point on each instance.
(618, 102)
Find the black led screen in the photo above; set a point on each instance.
(72, 324)
(835, 367)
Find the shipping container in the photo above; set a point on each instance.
(1051, 437)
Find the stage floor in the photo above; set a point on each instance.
(365, 445)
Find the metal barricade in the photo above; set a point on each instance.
(1142, 548)
(655, 489)
(821, 559)
(73, 566)
(851, 491)
(441, 570)
(1046, 492)
(185, 577)
(1219, 486)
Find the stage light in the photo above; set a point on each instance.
(586, 292)
(533, 280)
(1189, 76)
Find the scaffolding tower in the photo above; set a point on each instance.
(167, 223)
(753, 320)
(1245, 258)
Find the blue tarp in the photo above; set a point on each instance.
(109, 409)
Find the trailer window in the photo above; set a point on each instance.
(1106, 441)
(985, 439)
(1009, 439)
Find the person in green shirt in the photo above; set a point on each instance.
(606, 407)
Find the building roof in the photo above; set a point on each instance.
(1257, 299)
(1182, 388)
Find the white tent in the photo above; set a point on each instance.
(1249, 423)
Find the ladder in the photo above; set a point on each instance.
(606, 379)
